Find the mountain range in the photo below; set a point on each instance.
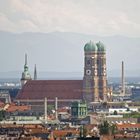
(61, 54)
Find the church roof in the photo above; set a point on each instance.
(63, 89)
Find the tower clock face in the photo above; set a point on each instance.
(88, 72)
(88, 62)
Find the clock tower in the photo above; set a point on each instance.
(90, 80)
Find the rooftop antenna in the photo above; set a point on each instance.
(123, 81)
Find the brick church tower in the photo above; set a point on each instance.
(102, 75)
(95, 80)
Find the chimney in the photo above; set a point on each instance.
(45, 109)
(35, 73)
(123, 80)
(56, 108)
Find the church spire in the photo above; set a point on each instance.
(25, 74)
(25, 65)
(25, 59)
(35, 73)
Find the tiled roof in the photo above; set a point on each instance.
(61, 133)
(32, 126)
(13, 108)
(63, 89)
(128, 125)
(62, 110)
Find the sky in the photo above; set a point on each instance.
(95, 17)
(100, 17)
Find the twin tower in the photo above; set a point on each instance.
(95, 77)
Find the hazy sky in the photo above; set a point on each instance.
(97, 17)
(100, 17)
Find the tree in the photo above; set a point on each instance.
(104, 128)
(50, 108)
(115, 112)
(2, 115)
(107, 129)
(128, 109)
(113, 129)
(104, 104)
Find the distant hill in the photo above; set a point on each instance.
(63, 52)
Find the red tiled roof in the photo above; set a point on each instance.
(63, 89)
(61, 133)
(33, 126)
(13, 108)
(128, 125)
(63, 110)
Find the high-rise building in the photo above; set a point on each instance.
(95, 80)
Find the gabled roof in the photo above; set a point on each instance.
(63, 89)
(14, 108)
(128, 125)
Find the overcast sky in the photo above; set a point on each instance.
(100, 17)
(97, 17)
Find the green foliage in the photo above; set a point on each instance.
(113, 129)
(104, 104)
(106, 128)
(115, 112)
(128, 109)
(132, 115)
(50, 108)
(2, 115)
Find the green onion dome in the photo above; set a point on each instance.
(100, 46)
(90, 46)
